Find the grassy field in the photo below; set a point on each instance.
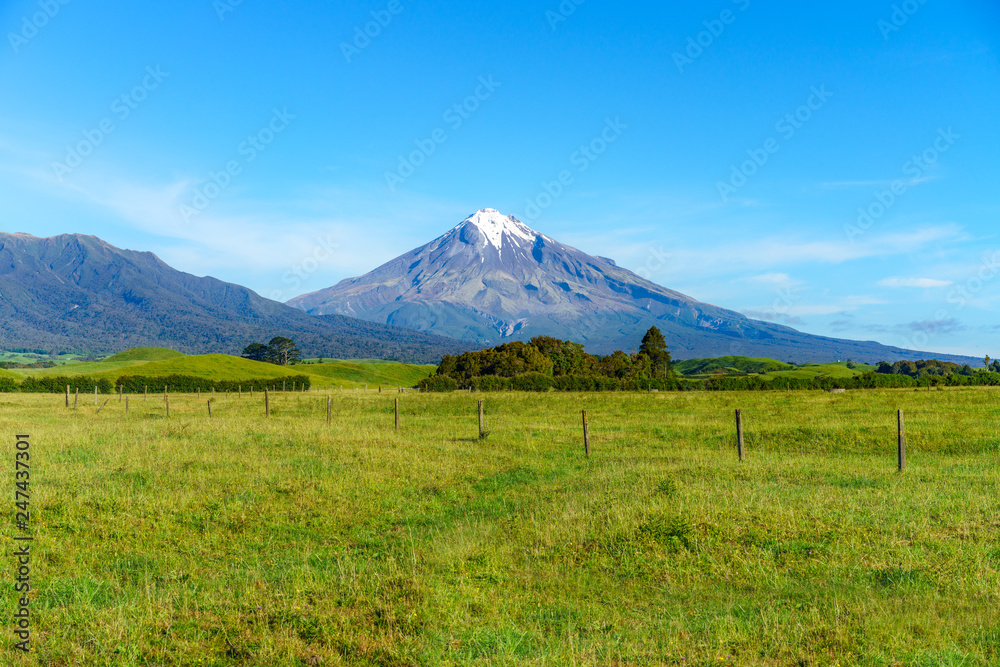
(152, 362)
(284, 541)
(29, 358)
(833, 370)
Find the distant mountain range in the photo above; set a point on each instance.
(493, 279)
(78, 293)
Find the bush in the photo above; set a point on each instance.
(57, 384)
(532, 382)
(490, 383)
(438, 383)
(137, 384)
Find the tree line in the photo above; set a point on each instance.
(933, 367)
(545, 363)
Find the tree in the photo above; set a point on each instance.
(255, 352)
(654, 346)
(282, 351)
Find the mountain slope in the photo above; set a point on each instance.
(491, 278)
(75, 292)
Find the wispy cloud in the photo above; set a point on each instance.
(946, 326)
(884, 183)
(914, 282)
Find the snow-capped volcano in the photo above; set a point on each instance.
(492, 278)
(495, 227)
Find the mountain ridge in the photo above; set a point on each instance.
(78, 292)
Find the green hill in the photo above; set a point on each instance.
(146, 354)
(731, 364)
(768, 369)
(209, 367)
(349, 373)
(335, 373)
(834, 370)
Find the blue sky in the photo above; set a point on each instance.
(725, 149)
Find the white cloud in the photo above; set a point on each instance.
(914, 282)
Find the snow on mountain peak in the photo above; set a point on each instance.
(494, 225)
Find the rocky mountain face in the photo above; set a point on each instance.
(74, 292)
(492, 279)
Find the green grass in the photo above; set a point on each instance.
(372, 372)
(284, 541)
(146, 354)
(833, 370)
(82, 368)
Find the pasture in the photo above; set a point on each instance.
(158, 362)
(240, 540)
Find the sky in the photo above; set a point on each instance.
(830, 166)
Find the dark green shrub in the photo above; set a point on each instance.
(438, 383)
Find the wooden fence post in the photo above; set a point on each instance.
(739, 433)
(95, 394)
(482, 430)
(267, 404)
(210, 409)
(67, 396)
(103, 406)
(329, 409)
(145, 392)
(586, 435)
(76, 398)
(119, 393)
(902, 442)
